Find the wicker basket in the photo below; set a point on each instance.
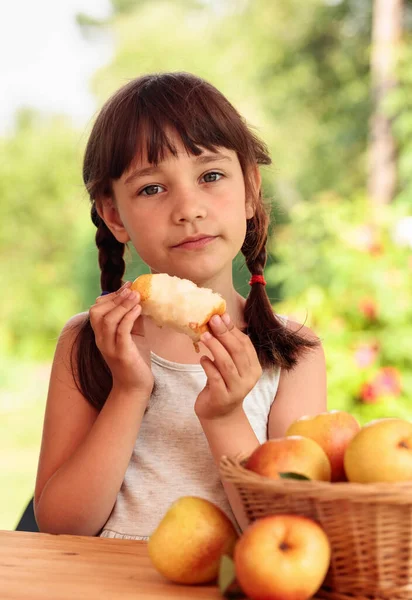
(369, 527)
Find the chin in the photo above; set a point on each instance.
(198, 271)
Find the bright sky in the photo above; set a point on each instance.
(44, 60)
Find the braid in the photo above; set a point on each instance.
(111, 261)
(92, 375)
(274, 343)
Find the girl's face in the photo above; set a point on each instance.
(186, 216)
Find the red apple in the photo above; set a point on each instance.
(332, 430)
(282, 557)
(295, 454)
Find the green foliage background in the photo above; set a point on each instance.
(299, 72)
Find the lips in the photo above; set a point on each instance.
(195, 242)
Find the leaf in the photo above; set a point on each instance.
(227, 573)
(228, 586)
(298, 476)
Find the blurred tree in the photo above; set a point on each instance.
(398, 106)
(387, 28)
(124, 6)
(127, 6)
(351, 281)
(41, 206)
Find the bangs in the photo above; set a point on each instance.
(139, 119)
(150, 138)
(199, 114)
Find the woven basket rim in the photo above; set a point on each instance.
(232, 470)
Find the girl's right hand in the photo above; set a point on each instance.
(119, 335)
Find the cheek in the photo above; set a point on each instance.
(144, 242)
(143, 238)
(234, 212)
(144, 227)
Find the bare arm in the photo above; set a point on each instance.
(85, 453)
(302, 391)
(228, 438)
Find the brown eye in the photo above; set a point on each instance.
(151, 190)
(212, 177)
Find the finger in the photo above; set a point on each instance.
(112, 295)
(122, 305)
(224, 330)
(124, 330)
(222, 360)
(138, 326)
(214, 378)
(106, 318)
(99, 310)
(244, 339)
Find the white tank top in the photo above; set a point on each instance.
(171, 457)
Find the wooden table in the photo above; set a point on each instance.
(38, 566)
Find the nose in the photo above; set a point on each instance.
(188, 206)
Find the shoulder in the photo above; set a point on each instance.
(301, 329)
(303, 389)
(70, 332)
(74, 324)
(312, 357)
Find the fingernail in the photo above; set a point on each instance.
(125, 292)
(216, 320)
(124, 286)
(206, 336)
(226, 319)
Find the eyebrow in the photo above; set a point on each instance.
(203, 159)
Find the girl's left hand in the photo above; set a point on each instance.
(233, 372)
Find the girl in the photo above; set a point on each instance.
(135, 418)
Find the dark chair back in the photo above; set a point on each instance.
(28, 520)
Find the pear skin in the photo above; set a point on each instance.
(380, 452)
(187, 545)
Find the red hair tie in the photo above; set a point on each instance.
(257, 279)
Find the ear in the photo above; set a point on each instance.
(255, 179)
(107, 210)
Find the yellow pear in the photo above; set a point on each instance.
(380, 451)
(187, 545)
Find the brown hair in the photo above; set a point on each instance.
(140, 113)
